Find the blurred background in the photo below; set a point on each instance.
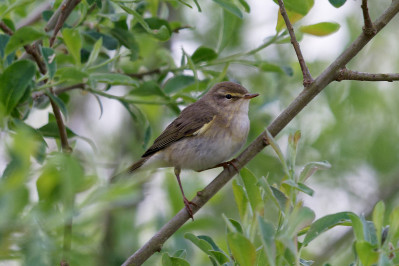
(352, 124)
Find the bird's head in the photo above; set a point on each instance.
(229, 96)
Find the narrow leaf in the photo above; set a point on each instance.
(73, 41)
(253, 191)
(320, 29)
(240, 198)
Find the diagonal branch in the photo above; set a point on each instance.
(346, 74)
(368, 28)
(306, 96)
(307, 77)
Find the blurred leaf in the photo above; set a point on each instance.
(268, 233)
(108, 42)
(14, 82)
(300, 186)
(112, 79)
(21, 37)
(240, 198)
(230, 7)
(48, 56)
(394, 223)
(59, 103)
(210, 241)
(253, 192)
(94, 53)
(203, 54)
(245, 5)
(325, 223)
(126, 38)
(177, 83)
(292, 16)
(299, 6)
(202, 244)
(320, 29)
(357, 226)
(232, 225)
(71, 74)
(147, 88)
(278, 151)
(337, 3)
(268, 67)
(73, 41)
(310, 168)
(230, 23)
(50, 130)
(298, 219)
(3, 43)
(220, 257)
(173, 261)
(243, 250)
(366, 252)
(281, 197)
(181, 253)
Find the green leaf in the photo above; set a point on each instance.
(245, 5)
(148, 88)
(268, 233)
(299, 218)
(203, 54)
(320, 29)
(202, 244)
(394, 222)
(173, 261)
(337, 3)
(292, 16)
(378, 219)
(310, 168)
(268, 67)
(230, 23)
(49, 56)
(299, 6)
(73, 41)
(50, 130)
(23, 36)
(220, 257)
(210, 241)
(240, 198)
(178, 83)
(357, 226)
(94, 53)
(253, 191)
(113, 79)
(14, 82)
(366, 252)
(126, 38)
(59, 103)
(243, 250)
(3, 43)
(230, 7)
(109, 42)
(71, 74)
(232, 225)
(300, 186)
(323, 224)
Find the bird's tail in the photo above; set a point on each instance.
(131, 169)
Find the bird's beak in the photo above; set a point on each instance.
(250, 96)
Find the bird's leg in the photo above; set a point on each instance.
(224, 165)
(185, 200)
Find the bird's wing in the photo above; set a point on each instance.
(192, 120)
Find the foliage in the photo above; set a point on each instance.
(60, 206)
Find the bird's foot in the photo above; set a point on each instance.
(188, 207)
(228, 163)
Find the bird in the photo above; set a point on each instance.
(204, 136)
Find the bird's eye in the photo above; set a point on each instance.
(228, 96)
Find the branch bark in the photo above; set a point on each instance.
(306, 96)
(346, 74)
(368, 28)
(307, 77)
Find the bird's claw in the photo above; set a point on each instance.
(188, 208)
(228, 163)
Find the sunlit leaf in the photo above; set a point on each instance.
(292, 16)
(73, 41)
(366, 252)
(299, 6)
(320, 29)
(242, 249)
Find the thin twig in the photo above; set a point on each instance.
(30, 49)
(58, 91)
(346, 74)
(66, 8)
(306, 96)
(307, 77)
(368, 28)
